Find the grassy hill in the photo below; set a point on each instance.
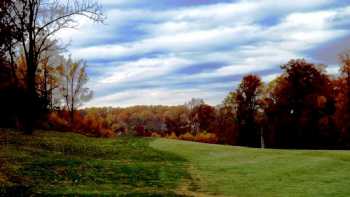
(238, 171)
(56, 164)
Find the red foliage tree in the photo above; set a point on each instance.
(342, 87)
(301, 106)
(247, 96)
(226, 130)
(203, 117)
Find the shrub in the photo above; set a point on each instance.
(204, 137)
(187, 136)
(86, 125)
(55, 121)
(140, 130)
(155, 134)
(172, 136)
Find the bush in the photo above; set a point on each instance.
(86, 125)
(204, 137)
(172, 136)
(155, 134)
(140, 130)
(187, 136)
(56, 122)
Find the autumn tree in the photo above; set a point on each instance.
(230, 100)
(177, 120)
(247, 96)
(48, 77)
(37, 21)
(5, 38)
(301, 106)
(191, 105)
(47, 84)
(204, 116)
(10, 94)
(9, 36)
(226, 119)
(225, 125)
(342, 85)
(73, 85)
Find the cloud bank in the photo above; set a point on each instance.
(168, 52)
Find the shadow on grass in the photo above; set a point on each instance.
(169, 194)
(56, 164)
(15, 191)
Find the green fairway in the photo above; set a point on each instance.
(56, 164)
(238, 171)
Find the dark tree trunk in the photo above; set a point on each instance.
(72, 117)
(30, 103)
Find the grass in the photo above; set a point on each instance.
(56, 164)
(238, 171)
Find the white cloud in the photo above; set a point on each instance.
(143, 69)
(157, 96)
(231, 33)
(298, 30)
(333, 69)
(270, 77)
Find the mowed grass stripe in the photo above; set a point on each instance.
(239, 171)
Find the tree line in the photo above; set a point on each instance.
(304, 107)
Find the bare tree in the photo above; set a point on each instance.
(73, 81)
(48, 76)
(192, 105)
(194, 102)
(38, 21)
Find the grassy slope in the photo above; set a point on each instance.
(237, 171)
(52, 163)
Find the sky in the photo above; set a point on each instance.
(165, 52)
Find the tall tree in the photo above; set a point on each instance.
(47, 78)
(37, 21)
(343, 99)
(247, 96)
(302, 105)
(9, 36)
(48, 84)
(9, 92)
(73, 82)
(225, 120)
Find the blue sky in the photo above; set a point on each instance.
(169, 51)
